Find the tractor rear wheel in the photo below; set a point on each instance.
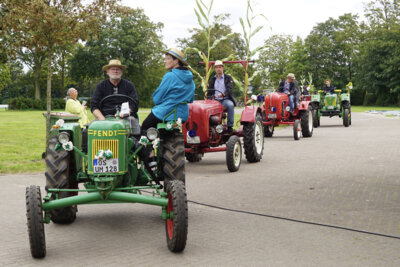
(296, 130)
(346, 117)
(193, 157)
(315, 118)
(269, 130)
(307, 122)
(57, 176)
(253, 140)
(233, 153)
(173, 158)
(176, 224)
(34, 216)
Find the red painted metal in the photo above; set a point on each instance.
(170, 223)
(249, 114)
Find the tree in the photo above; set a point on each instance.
(5, 75)
(130, 36)
(48, 25)
(275, 59)
(331, 47)
(379, 59)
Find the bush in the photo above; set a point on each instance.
(22, 103)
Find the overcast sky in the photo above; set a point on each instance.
(293, 17)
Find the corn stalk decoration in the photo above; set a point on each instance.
(203, 16)
(248, 34)
(310, 87)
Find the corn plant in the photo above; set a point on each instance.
(248, 34)
(203, 16)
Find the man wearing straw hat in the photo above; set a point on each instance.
(114, 85)
(221, 88)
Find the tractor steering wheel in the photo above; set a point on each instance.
(117, 107)
(212, 97)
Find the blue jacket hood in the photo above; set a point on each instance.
(185, 76)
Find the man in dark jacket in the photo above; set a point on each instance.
(115, 85)
(329, 88)
(290, 87)
(220, 88)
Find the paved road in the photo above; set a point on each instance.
(347, 177)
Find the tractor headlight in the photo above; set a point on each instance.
(219, 128)
(152, 134)
(63, 138)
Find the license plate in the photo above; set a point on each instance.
(272, 116)
(193, 140)
(105, 165)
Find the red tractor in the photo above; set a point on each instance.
(206, 131)
(276, 111)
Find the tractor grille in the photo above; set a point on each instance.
(104, 145)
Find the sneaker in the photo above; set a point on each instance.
(153, 164)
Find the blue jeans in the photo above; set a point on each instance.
(230, 108)
(291, 102)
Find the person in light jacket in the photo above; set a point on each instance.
(175, 91)
(75, 107)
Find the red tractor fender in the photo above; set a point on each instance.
(249, 114)
(303, 105)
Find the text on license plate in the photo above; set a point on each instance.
(272, 116)
(105, 165)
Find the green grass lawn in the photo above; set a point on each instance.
(22, 139)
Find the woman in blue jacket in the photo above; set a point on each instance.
(177, 86)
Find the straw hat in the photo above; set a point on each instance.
(291, 76)
(114, 63)
(176, 53)
(218, 63)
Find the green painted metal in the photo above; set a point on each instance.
(108, 134)
(97, 198)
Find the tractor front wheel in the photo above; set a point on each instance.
(176, 224)
(346, 117)
(233, 153)
(254, 140)
(173, 157)
(269, 130)
(34, 216)
(57, 176)
(193, 157)
(296, 130)
(307, 122)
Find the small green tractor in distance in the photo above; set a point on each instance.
(337, 104)
(110, 160)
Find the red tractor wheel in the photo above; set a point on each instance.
(254, 140)
(296, 130)
(176, 224)
(193, 157)
(233, 153)
(307, 122)
(269, 130)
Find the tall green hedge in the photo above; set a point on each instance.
(22, 103)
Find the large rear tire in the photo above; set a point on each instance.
(173, 157)
(233, 153)
(176, 224)
(315, 118)
(193, 157)
(57, 176)
(268, 130)
(346, 117)
(307, 122)
(254, 140)
(34, 216)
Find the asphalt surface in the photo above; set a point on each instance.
(342, 177)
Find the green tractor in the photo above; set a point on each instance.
(110, 160)
(337, 104)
